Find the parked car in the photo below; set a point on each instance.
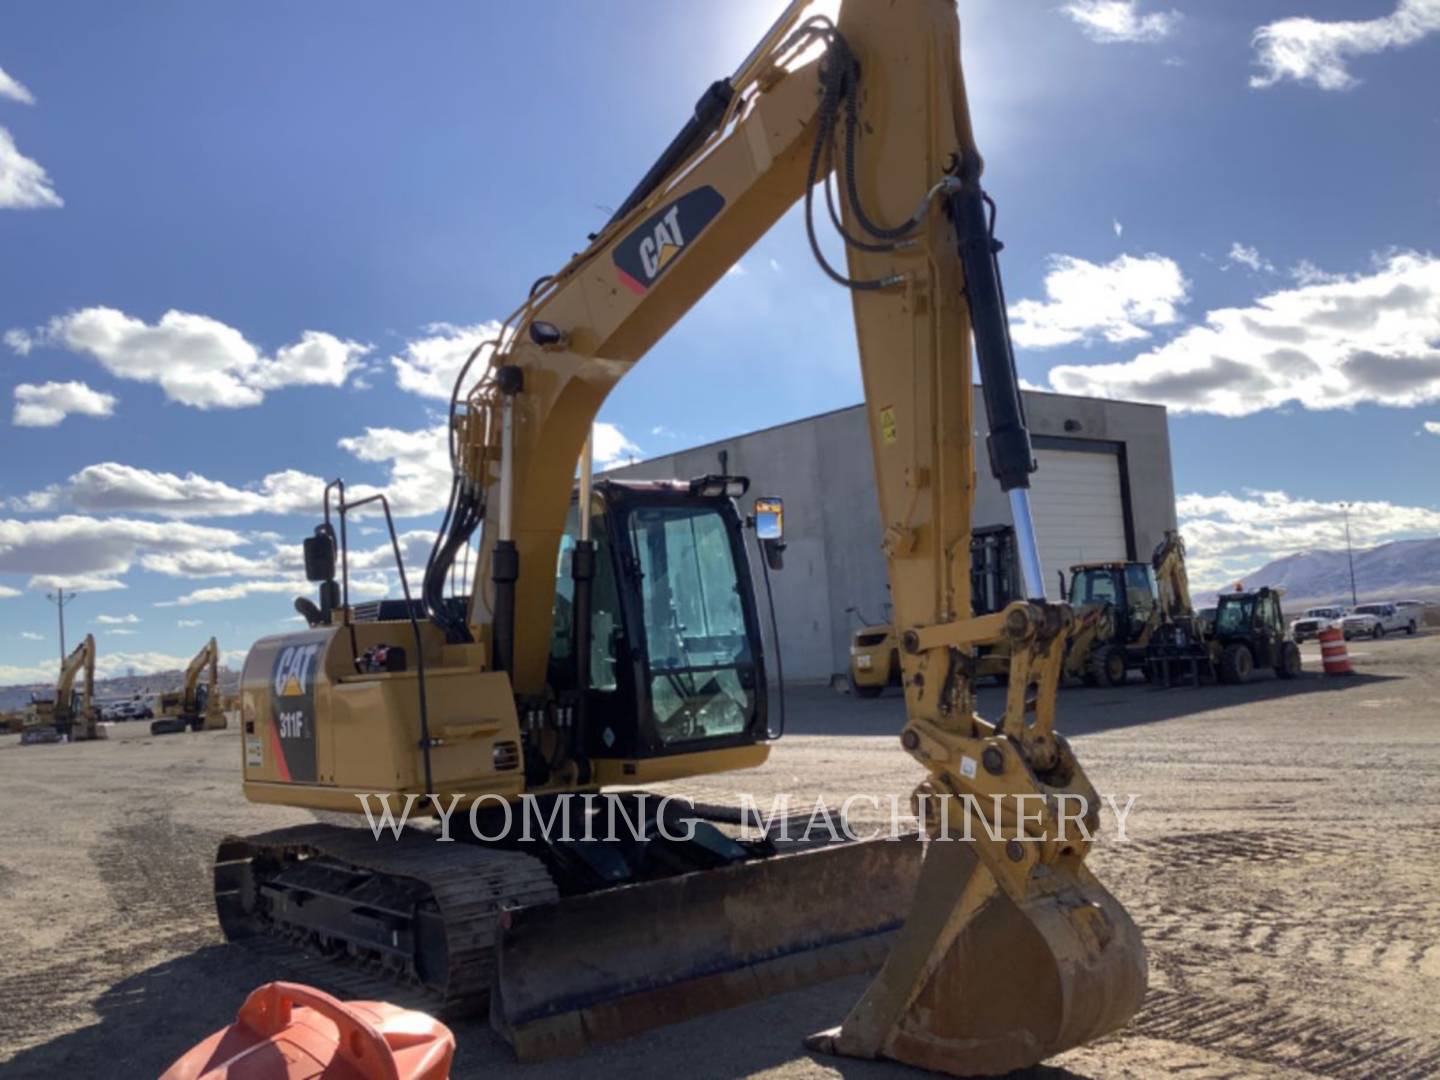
(1314, 620)
(1377, 620)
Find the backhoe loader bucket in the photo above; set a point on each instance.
(979, 985)
(594, 968)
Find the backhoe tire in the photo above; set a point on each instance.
(1108, 667)
(1289, 666)
(1237, 663)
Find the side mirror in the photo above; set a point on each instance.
(320, 555)
(770, 518)
(770, 530)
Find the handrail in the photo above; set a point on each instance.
(343, 509)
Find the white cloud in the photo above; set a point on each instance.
(1309, 50)
(1119, 228)
(46, 404)
(110, 487)
(75, 582)
(736, 270)
(19, 341)
(1084, 302)
(418, 463)
(1228, 536)
(111, 665)
(1432, 426)
(362, 585)
(196, 360)
(121, 631)
(1249, 257)
(117, 620)
(11, 675)
(83, 552)
(30, 635)
(7, 591)
(431, 364)
(1307, 273)
(775, 265)
(24, 184)
(1368, 338)
(188, 624)
(1110, 21)
(12, 88)
(611, 447)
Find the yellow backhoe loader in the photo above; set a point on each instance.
(69, 715)
(642, 659)
(195, 706)
(1121, 607)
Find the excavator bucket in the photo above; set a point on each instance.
(978, 985)
(594, 968)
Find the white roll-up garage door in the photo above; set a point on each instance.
(1079, 510)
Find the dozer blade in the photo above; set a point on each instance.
(979, 985)
(604, 966)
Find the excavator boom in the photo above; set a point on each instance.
(1011, 950)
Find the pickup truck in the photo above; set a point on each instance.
(1377, 620)
(1314, 620)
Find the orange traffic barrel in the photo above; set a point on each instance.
(1334, 652)
(285, 1031)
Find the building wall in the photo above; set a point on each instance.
(822, 468)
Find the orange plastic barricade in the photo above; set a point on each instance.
(1333, 653)
(286, 1031)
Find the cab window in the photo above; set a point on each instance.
(702, 672)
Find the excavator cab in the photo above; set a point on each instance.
(676, 659)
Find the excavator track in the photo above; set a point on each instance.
(366, 914)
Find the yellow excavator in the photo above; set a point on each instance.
(194, 706)
(611, 639)
(67, 715)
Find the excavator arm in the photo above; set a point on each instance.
(205, 662)
(1013, 950)
(81, 661)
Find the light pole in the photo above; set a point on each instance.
(1350, 554)
(59, 599)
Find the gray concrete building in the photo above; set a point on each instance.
(1103, 490)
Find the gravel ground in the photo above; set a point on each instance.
(1282, 865)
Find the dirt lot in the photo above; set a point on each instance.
(1282, 865)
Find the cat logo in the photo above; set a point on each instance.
(292, 728)
(653, 245)
(293, 670)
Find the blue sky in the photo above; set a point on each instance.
(1229, 207)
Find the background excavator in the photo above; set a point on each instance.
(642, 660)
(69, 714)
(194, 705)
